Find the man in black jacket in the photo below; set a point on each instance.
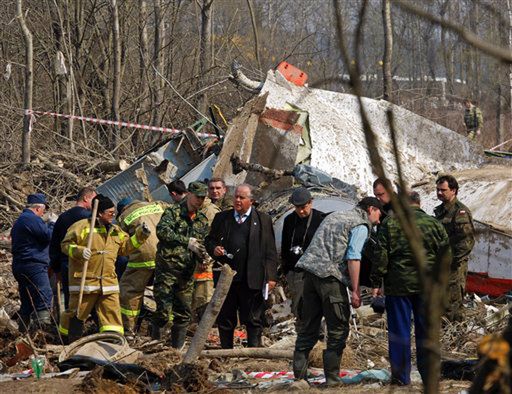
(244, 239)
(298, 230)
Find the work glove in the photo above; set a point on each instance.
(146, 231)
(50, 217)
(196, 247)
(86, 253)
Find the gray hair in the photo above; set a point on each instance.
(35, 206)
(246, 185)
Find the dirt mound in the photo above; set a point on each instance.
(187, 378)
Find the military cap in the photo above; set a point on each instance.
(198, 188)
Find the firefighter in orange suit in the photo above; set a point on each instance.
(101, 290)
(141, 263)
(203, 274)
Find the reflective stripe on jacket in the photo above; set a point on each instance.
(134, 215)
(106, 246)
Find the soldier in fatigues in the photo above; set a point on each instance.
(331, 267)
(473, 119)
(458, 223)
(395, 266)
(217, 192)
(101, 290)
(141, 263)
(180, 232)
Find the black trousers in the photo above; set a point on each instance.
(243, 302)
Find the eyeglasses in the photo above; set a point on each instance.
(109, 213)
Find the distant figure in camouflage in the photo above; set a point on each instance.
(473, 119)
(458, 223)
(394, 265)
(331, 267)
(217, 192)
(180, 232)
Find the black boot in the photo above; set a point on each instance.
(253, 337)
(332, 367)
(226, 338)
(156, 332)
(76, 329)
(300, 364)
(23, 323)
(178, 335)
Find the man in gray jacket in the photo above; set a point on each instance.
(331, 264)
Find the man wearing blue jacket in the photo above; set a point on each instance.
(30, 240)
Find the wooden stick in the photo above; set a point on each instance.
(59, 300)
(210, 314)
(252, 352)
(86, 263)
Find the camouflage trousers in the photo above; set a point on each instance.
(173, 296)
(456, 291)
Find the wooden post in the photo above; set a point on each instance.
(210, 314)
(86, 263)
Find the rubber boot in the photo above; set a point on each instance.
(300, 364)
(76, 329)
(332, 367)
(178, 335)
(156, 332)
(41, 320)
(226, 338)
(253, 337)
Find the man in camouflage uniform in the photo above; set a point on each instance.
(331, 267)
(180, 232)
(458, 223)
(217, 192)
(395, 265)
(473, 119)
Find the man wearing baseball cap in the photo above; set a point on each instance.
(30, 260)
(180, 233)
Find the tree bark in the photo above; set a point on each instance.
(509, 8)
(158, 61)
(116, 91)
(210, 314)
(204, 52)
(255, 33)
(388, 50)
(29, 82)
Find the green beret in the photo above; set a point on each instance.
(198, 188)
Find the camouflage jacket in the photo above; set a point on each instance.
(458, 223)
(174, 230)
(393, 257)
(225, 202)
(325, 254)
(473, 118)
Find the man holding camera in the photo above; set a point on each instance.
(298, 230)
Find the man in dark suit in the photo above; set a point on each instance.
(244, 239)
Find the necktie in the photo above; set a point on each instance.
(240, 219)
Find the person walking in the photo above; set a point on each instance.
(473, 119)
(101, 290)
(243, 238)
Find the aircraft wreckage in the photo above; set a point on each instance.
(289, 134)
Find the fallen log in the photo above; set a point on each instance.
(210, 314)
(252, 352)
(65, 173)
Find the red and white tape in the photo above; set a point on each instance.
(113, 123)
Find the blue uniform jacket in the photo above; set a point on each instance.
(30, 240)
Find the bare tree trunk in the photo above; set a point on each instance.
(29, 82)
(509, 8)
(204, 52)
(143, 56)
(116, 91)
(158, 61)
(388, 50)
(255, 33)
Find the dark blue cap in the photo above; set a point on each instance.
(37, 198)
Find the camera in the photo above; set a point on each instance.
(297, 250)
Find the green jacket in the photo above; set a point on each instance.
(458, 223)
(394, 263)
(473, 118)
(174, 231)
